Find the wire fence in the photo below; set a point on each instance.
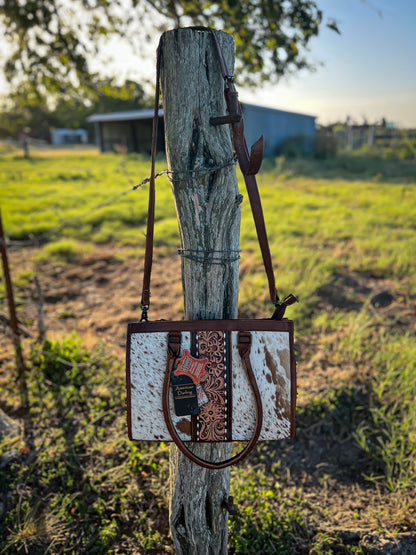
(173, 176)
(70, 221)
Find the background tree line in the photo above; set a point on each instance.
(49, 45)
(22, 112)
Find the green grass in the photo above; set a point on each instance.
(389, 436)
(277, 519)
(46, 197)
(65, 250)
(316, 225)
(81, 486)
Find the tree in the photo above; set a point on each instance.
(52, 41)
(26, 109)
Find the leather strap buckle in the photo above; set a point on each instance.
(280, 307)
(144, 317)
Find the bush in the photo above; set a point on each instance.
(326, 145)
(296, 146)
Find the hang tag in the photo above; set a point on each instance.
(184, 395)
(187, 365)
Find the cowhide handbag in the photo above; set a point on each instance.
(213, 380)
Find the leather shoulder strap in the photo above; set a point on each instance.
(249, 164)
(148, 258)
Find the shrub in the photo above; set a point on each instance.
(296, 146)
(326, 145)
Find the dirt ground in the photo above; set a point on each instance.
(99, 293)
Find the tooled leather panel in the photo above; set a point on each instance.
(213, 421)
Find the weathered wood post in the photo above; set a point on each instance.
(14, 324)
(208, 210)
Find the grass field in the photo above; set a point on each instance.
(342, 233)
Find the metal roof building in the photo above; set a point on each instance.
(276, 126)
(69, 136)
(132, 130)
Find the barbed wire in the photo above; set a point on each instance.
(107, 202)
(70, 221)
(173, 176)
(204, 257)
(183, 175)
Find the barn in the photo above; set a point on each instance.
(132, 130)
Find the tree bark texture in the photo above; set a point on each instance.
(208, 211)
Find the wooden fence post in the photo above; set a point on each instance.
(14, 324)
(208, 210)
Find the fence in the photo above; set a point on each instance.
(355, 137)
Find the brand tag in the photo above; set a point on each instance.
(184, 395)
(188, 365)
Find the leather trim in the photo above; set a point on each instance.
(293, 383)
(227, 376)
(194, 418)
(202, 325)
(128, 386)
(229, 385)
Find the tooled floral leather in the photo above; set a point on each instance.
(212, 419)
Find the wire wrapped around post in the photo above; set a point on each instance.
(210, 256)
(175, 176)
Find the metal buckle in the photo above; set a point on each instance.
(144, 317)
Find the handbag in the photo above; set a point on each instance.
(213, 380)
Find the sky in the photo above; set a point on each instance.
(368, 72)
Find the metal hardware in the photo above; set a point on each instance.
(144, 317)
(230, 507)
(280, 307)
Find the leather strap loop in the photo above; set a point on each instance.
(244, 346)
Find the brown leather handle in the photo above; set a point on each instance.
(244, 346)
